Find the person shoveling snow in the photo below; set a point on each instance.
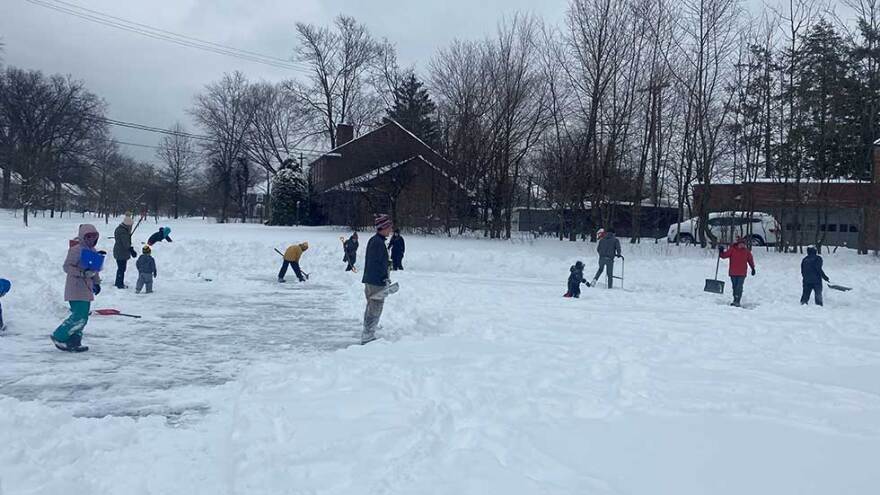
(608, 249)
(291, 259)
(740, 258)
(812, 275)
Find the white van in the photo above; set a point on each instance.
(759, 228)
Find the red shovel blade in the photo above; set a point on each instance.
(113, 312)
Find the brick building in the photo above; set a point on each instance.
(837, 213)
(388, 170)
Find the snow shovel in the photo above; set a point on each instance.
(841, 288)
(303, 271)
(387, 291)
(113, 312)
(622, 270)
(714, 286)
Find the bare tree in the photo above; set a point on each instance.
(517, 115)
(48, 125)
(178, 153)
(225, 111)
(341, 60)
(707, 42)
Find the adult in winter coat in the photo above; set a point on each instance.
(608, 248)
(575, 279)
(375, 276)
(146, 266)
(80, 289)
(292, 255)
(350, 247)
(164, 234)
(397, 247)
(740, 259)
(813, 275)
(122, 249)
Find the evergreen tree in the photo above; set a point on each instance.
(826, 93)
(288, 189)
(414, 110)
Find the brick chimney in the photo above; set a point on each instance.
(344, 134)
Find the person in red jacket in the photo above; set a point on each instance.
(740, 257)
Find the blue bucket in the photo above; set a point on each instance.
(5, 286)
(91, 260)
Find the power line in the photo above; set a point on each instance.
(170, 132)
(164, 35)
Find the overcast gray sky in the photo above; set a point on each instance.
(153, 82)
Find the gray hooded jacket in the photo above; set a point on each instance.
(609, 246)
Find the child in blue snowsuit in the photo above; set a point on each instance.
(575, 279)
(5, 285)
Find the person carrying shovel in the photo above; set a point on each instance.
(608, 249)
(740, 258)
(813, 275)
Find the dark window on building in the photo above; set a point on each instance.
(844, 227)
(853, 228)
(832, 227)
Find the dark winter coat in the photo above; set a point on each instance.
(811, 268)
(576, 278)
(158, 237)
(740, 259)
(122, 245)
(376, 261)
(609, 246)
(397, 247)
(147, 264)
(350, 247)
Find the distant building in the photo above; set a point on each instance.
(387, 170)
(835, 213)
(653, 221)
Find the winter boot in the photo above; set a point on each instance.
(74, 344)
(280, 280)
(61, 346)
(593, 283)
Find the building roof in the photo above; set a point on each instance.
(377, 152)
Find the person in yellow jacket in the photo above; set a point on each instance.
(291, 259)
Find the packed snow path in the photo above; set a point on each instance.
(486, 381)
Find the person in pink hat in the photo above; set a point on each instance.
(375, 276)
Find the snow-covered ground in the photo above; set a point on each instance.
(486, 381)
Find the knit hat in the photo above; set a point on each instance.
(382, 221)
(166, 230)
(147, 249)
(127, 220)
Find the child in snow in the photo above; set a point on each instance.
(163, 234)
(80, 289)
(5, 285)
(397, 247)
(740, 258)
(146, 266)
(291, 259)
(813, 275)
(350, 247)
(575, 279)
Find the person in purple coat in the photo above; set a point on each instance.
(80, 289)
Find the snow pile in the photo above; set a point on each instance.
(487, 380)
